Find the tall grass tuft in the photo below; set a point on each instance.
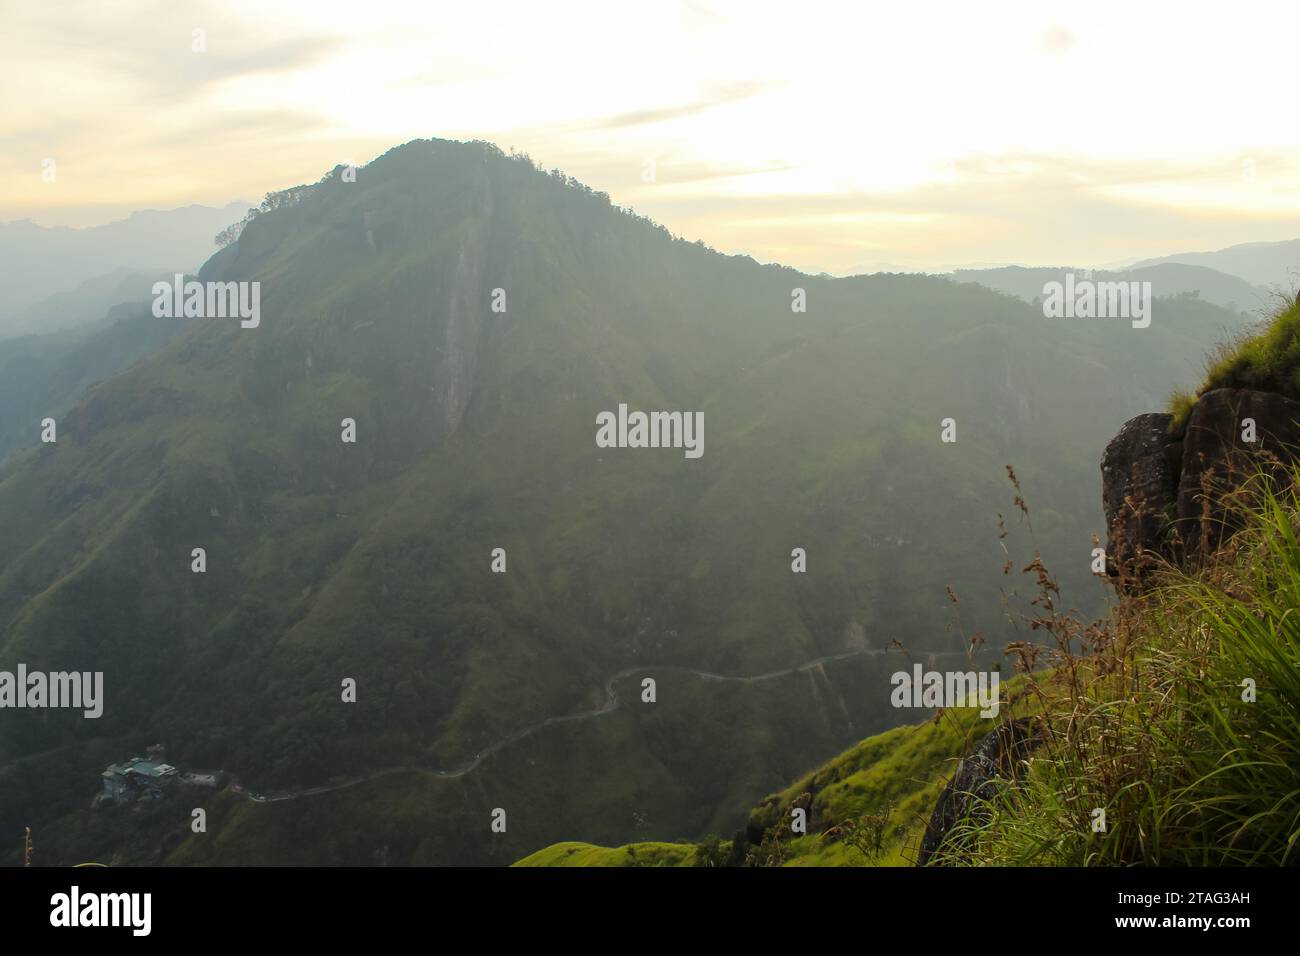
(1178, 718)
(1267, 360)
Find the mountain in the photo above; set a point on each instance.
(37, 261)
(1167, 280)
(1267, 264)
(1127, 714)
(473, 316)
(52, 350)
(43, 375)
(89, 302)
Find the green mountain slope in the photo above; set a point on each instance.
(476, 429)
(86, 304)
(896, 776)
(43, 375)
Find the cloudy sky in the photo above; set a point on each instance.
(839, 137)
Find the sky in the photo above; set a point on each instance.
(837, 137)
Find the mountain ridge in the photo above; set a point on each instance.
(1268, 264)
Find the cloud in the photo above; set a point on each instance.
(159, 61)
(222, 130)
(834, 139)
(1014, 207)
(646, 117)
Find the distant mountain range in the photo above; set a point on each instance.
(87, 303)
(1168, 279)
(37, 262)
(473, 315)
(1268, 264)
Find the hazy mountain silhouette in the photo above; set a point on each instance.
(37, 262)
(1167, 280)
(1270, 264)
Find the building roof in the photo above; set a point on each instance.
(144, 768)
(149, 768)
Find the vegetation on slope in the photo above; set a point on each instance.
(1267, 362)
(866, 807)
(476, 430)
(43, 375)
(1183, 724)
(1166, 734)
(632, 854)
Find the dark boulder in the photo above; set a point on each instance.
(1216, 457)
(995, 758)
(1139, 476)
(1163, 497)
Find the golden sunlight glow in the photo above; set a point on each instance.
(833, 136)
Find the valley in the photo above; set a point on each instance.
(329, 559)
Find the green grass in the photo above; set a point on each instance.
(897, 774)
(1268, 362)
(633, 854)
(1154, 728)
(1178, 716)
(1180, 408)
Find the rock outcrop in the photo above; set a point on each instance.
(1162, 493)
(1139, 481)
(994, 758)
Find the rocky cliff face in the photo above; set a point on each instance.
(1160, 491)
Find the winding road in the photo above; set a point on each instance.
(611, 703)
